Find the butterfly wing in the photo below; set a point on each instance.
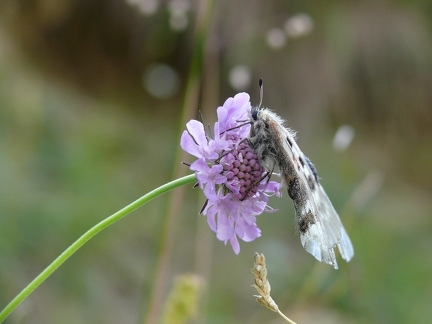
(327, 232)
(320, 227)
(318, 222)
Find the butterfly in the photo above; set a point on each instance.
(319, 225)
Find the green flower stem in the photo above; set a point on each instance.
(87, 236)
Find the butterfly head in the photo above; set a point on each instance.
(255, 112)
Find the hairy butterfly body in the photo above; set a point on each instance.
(320, 227)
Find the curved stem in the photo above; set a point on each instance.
(87, 236)
(286, 318)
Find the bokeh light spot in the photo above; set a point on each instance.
(240, 77)
(161, 81)
(343, 138)
(299, 25)
(276, 38)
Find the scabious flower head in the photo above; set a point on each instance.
(228, 171)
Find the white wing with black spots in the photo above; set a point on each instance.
(320, 227)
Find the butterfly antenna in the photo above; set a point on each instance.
(260, 82)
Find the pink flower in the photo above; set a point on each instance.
(228, 171)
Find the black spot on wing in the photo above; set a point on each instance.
(312, 167)
(311, 183)
(303, 226)
(289, 141)
(305, 222)
(302, 162)
(294, 189)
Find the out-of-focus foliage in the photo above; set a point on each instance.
(91, 94)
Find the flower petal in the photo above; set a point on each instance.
(196, 129)
(188, 144)
(235, 244)
(210, 212)
(251, 232)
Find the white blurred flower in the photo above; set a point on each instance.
(276, 38)
(146, 7)
(179, 22)
(178, 10)
(179, 6)
(299, 25)
(240, 77)
(161, 80)
(343, 138)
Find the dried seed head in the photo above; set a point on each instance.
(262, 285)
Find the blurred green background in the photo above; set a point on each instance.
(94, 96)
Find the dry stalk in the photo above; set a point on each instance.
(262, 285)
